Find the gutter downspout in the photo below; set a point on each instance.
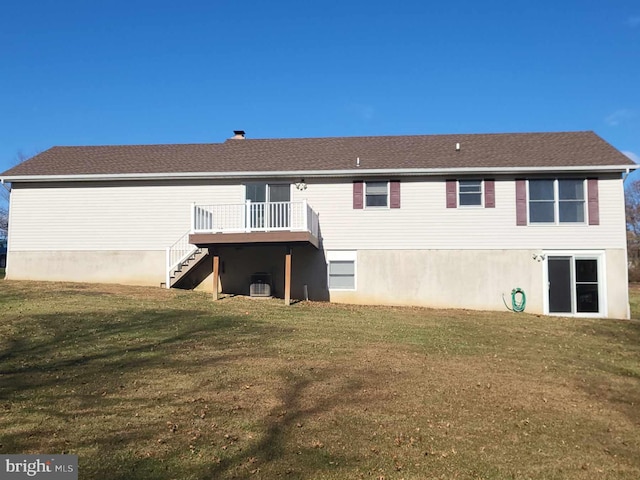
(625, 175)
(6, 267)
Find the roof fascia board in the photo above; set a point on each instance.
(318, 173)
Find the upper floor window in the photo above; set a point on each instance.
(376, 194)
(556, 201)
(470, 192)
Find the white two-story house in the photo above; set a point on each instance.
(433, 220)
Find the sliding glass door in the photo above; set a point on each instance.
(574, 284)
(270, 205)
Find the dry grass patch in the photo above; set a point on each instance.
(149, 384)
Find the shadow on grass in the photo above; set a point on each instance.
(77, 347)
(73, 367)
(277, 452)
(277, 446)
(76, 368)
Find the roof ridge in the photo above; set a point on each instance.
(129, 145)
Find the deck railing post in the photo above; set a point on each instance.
(305, 213)
(193, 217)
(168, 269)
(247, 216)
(315, 223)
(266, 212)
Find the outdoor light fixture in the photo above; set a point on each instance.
(301, 185)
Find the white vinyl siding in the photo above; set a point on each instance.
(114, 216)
(424, 222)
(108, 216)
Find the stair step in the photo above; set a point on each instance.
(189, 262)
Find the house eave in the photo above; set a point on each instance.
(357, 172)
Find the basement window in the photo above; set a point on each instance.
(342, 274)
(341, 270)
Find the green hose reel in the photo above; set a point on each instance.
(518, 304)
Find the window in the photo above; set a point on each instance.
(342, 274)
(376, 194)
(587, 285)
(541, 201)
(341, 270)
(470, 192)
(556, 201)
(571, 201)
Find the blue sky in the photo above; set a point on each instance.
(106, 72)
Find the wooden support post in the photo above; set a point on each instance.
(216, 274)
(287, 277)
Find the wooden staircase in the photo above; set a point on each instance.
(186, 266)
(182, 258)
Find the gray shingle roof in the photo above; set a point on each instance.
(508, 150)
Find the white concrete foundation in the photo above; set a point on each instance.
(473, 279)
(133, 267)
(470, 279)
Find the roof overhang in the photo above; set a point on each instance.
(413, 172)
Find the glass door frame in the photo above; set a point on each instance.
(574, 255)
(263, 212)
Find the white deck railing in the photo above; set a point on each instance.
(177, 254)
(238, 218)
(254, 217)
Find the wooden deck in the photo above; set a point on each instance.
(247, 238)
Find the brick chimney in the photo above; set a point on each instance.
(238, 135)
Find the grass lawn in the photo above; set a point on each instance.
(144, 383)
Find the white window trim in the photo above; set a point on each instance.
(598, 255)
(556, 205)
(343, 256)
(481, 193)
(364, 196)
